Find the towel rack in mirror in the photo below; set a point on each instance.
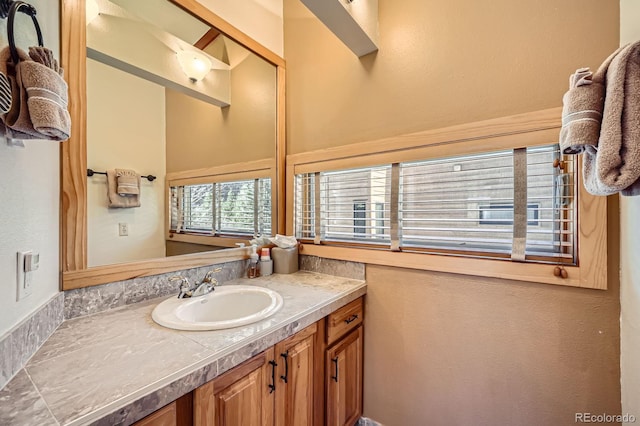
(91, 172)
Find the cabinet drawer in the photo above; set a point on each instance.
(344, 320)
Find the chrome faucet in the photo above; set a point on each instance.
(185, 287)
(206, 286)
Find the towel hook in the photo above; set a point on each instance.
(27, 9)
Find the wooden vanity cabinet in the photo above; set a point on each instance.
(276, 387)
(343, 365)
(241, 396)
(312, 378)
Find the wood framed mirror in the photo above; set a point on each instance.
(77, 270)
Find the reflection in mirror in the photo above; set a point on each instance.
(210, 142)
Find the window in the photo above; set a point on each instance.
(240, 207)
(463, 205)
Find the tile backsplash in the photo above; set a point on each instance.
(91, 300)
(19, 344)
(338, 268)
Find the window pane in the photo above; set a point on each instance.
(441, 199)
(348, 204)
(236, 201)
(198, 207)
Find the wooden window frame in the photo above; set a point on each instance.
(532, 129)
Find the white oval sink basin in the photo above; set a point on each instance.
(225, 307)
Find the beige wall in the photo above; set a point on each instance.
(444, 349)
(125, 129)
(202, 135)
(440, 63)
(449, 349)
(30, 193)
(630, 258)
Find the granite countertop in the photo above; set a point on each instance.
(118, 366)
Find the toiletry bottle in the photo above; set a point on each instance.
(266, 264)
(254, 270)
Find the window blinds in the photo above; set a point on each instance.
(237, 208)
(469, 204)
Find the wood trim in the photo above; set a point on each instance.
(470, 132)
(531, 129)
(73, 196)
(125, 271)
(207, 240)
(210, 18)
(592, 237)
(318, 381)
(281, 149)
(73, 153)
(290, 197)
(437, 150)
(207, 38)
(227, 169)
(451, 264)
(222, 178)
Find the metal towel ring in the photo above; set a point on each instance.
(29, 10)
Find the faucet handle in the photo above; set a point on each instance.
(185, 287)
(208, 278)
(184, 282)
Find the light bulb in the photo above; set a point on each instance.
(194, 64)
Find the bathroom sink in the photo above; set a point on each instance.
(225, 307)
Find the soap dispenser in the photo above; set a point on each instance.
(254, 268)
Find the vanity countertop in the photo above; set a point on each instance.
(118, 366)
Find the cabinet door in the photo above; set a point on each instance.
(296, 358)
(165, 416)
(240, 397)
(178, 413)
(344, 380)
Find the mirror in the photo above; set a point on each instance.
(221, 133)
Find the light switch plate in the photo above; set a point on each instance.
(23, 279)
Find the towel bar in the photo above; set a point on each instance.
(91, 172)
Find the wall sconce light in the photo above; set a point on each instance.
(194, 64)
(92, 10)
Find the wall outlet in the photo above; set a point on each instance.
(123, 229)
(27, 263)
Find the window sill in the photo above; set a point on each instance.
(529, 272)
(208, 240)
